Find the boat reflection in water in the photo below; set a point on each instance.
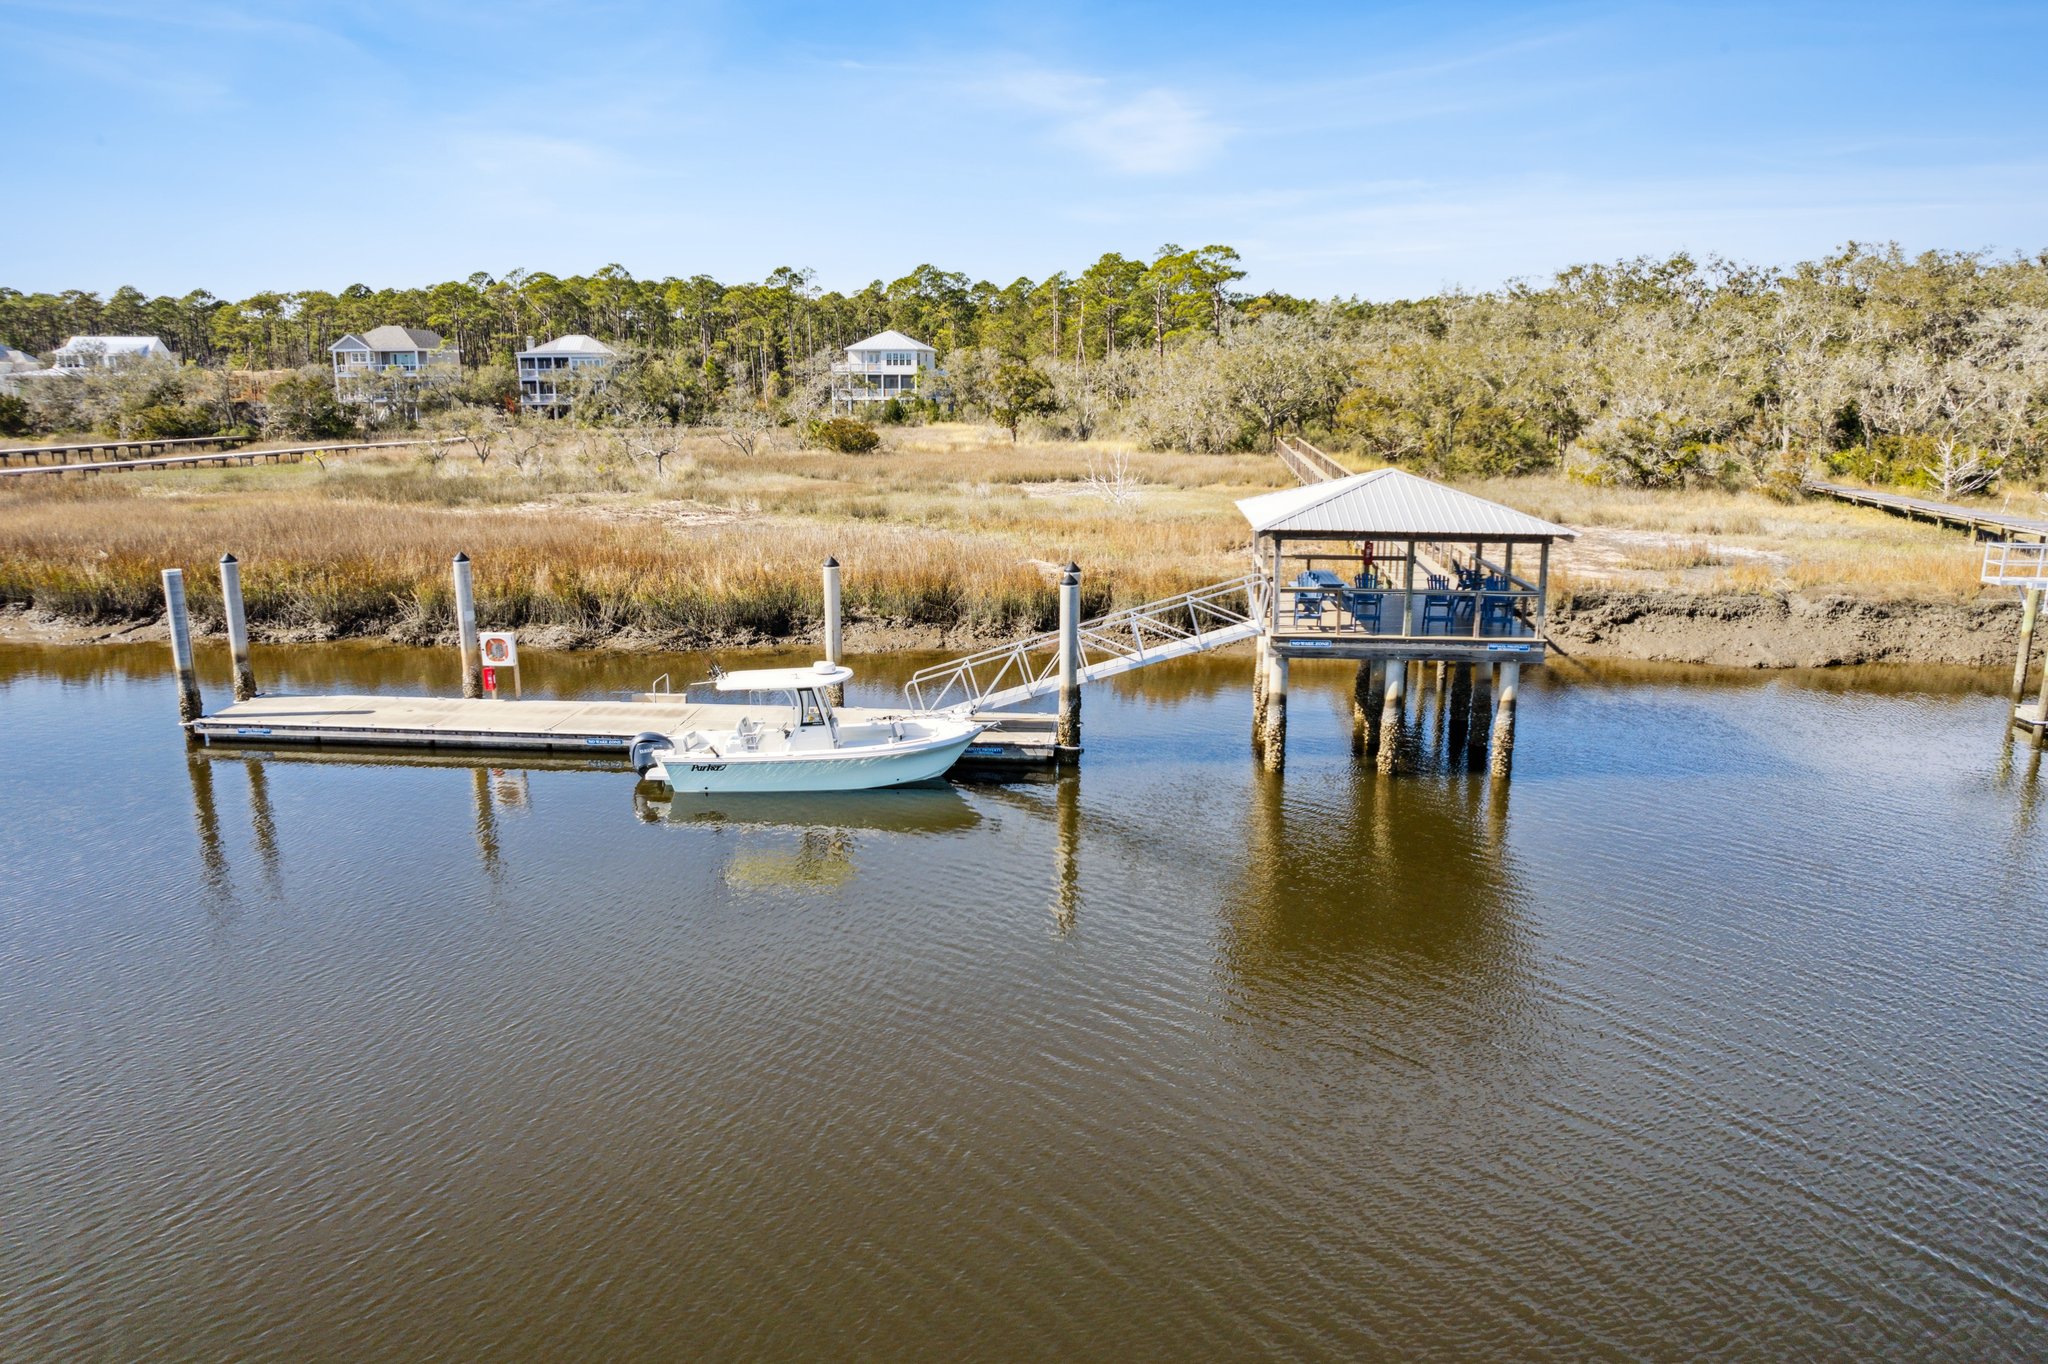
(826, 825)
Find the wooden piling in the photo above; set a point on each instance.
(1393, 714)
(1504, 719)
(189, 705)
(832, 624)
(1069, 733)
(465, 624)
(238, 626)
(1273, 738)
(2029, 613)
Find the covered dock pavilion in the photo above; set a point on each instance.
(1391, 569)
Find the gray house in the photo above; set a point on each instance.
(412, 352)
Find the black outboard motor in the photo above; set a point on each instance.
(643, 749)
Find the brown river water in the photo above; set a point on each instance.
(1718, 1033)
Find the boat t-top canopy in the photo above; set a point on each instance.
(819, 674)
(1393, 504)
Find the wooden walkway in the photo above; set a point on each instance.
(1980, 522)
(1306, 463)
(282, 454)
(63, 454)
(595, 727)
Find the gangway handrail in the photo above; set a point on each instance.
(2013, 563)
(1172, 627)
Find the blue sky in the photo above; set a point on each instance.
(1373, 149)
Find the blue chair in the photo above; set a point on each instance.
(1308, 606)
(1497, 616)
(1364, 608)
(1436, 610)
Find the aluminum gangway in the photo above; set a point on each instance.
(1173, 627)
(2011, 563)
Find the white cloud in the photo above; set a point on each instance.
(1153, 131)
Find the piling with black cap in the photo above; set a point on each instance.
(1069, 732)
(833, 638)
(465, 624)
(238, 626)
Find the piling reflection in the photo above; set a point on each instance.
(213, 856)
(1388, 897)
(1066, 899)
(263, 821)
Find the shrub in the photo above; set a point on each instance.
(166, 421)
(13, 415)
(847, 436)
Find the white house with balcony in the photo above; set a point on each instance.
(545, 372)
(81, 353)
(887, 365)
(404, 352)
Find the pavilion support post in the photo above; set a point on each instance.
(1459, 707)
(1069, 733)
(1262, 647)
(1365, 704)
(1273, 736)
(1504, 719)
(833, 640)
(1393, 712)
(238, 626)
(190, 707)
(2041, 711)
(1480, 714)
(2030, 612)
(465, 625)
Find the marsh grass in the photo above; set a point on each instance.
(944, 529)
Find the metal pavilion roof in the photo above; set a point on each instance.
(1390, 502)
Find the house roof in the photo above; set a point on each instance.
(389, 338)
(9, 356)
(350, 342)
(1391, 502)
(891, 340)
(576, 343)
(114, 345)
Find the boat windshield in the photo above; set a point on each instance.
(809, 710)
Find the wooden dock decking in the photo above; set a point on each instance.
(593, 727)
(1979, 521)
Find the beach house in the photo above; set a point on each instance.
(546, 371)
(884, 366)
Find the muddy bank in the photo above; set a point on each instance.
(1788, 630)
(1783, 630)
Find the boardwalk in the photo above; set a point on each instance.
(282, 454)
(62, 454)
(1981, 522)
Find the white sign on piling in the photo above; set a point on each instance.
(500, 652)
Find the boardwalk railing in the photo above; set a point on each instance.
(1174, 627)
(284, 454)
(1982, 522)
(1307, 463)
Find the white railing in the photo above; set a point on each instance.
(1192, 622)
(2010, 564)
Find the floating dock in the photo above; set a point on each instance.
(592, 727)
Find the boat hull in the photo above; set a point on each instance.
(833, 770)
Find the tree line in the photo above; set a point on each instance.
(1925, 370)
